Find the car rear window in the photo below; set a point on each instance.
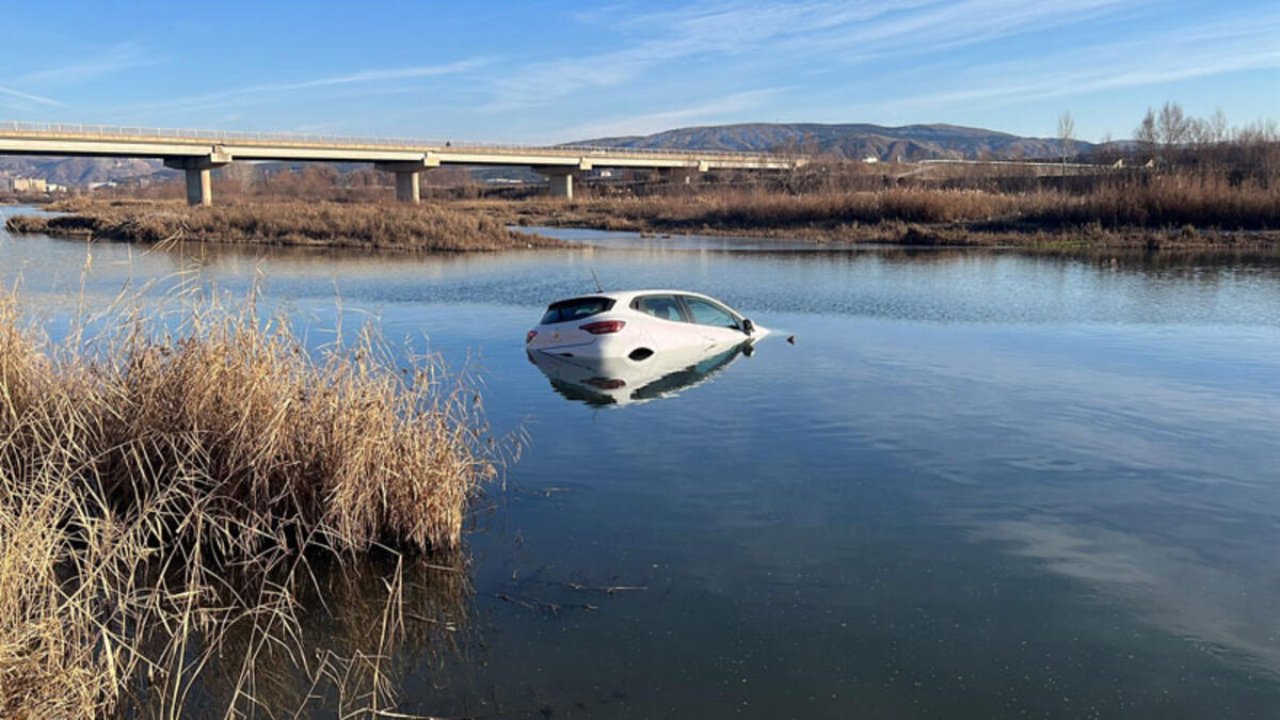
(576, 309)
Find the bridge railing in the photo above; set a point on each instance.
(215, 137)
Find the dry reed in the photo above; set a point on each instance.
(1112, 212)
(425, 228)
(164, 482)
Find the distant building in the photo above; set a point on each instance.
(33, 185)
(871, 159)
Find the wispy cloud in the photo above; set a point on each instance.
(114, 59)
(369, 76)
(937, 27)
(1207, 51)
(703, 113)
(793, 37)
(270, 92)
(29, 97)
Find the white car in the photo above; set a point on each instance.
(637, 324)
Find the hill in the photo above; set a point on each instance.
(78, 171)
(852, 141)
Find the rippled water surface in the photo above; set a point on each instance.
(979, 484)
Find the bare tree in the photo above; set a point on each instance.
(1145, 133)
(1218, 124)
(1173, 126)
(1066, 134)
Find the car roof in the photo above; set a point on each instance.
(626, 296)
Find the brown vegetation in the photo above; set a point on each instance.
(165, 485)
(1172, 209)
(425, 228)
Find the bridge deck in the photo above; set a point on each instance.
(23, 138)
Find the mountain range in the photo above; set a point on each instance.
(78, 171)
(854, 141)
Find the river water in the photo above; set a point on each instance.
(979, 484)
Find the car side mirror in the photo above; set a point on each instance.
(748, 327)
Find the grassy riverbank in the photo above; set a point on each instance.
(1137, 211)
(425, 228)
(166, 481)
(1182, 214)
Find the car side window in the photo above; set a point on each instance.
(663, 307)
(706, 312)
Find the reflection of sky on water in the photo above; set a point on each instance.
(979, 485)
(1148, 473)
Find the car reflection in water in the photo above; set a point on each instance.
(620, 381)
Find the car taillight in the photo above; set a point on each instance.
(529, 336)
(603, 327)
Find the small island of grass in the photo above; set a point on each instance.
(426, 228)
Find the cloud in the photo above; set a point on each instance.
(38, 99)
(1207, 51)
(673, 38)
(777, 38)
(370, 76)
(701, 114)
(116, 58)
(269, 92)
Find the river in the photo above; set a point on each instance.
(978, 484)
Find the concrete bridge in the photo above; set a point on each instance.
(197, 152)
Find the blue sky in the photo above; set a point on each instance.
(550, 72)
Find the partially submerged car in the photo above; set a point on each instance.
(637, 324)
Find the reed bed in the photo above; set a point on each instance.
(1110, 214)
(166, 482)
(424, 228)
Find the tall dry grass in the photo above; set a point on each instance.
(428, 228)
(1114, 207)
(1163, 202)
(1173, 201)
(166, 482)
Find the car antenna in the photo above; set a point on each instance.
(599, 287)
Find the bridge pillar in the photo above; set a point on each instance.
(408, 176)
(199, 179)
(682, 175)
(561, 179)
(199, 186)
(561, 185)
(408, 187)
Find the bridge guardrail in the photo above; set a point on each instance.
(215, 137)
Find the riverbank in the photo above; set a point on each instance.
(174, 483)
(1179, 215)
(1161, 217)
(425, 228)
